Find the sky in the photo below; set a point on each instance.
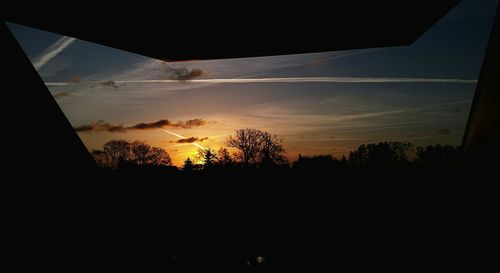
(317, 103)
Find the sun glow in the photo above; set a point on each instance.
(183, 137)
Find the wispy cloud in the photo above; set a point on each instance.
(52, 51)
(104, 126)
(273, 113)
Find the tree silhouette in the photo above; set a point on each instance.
(116, 153)
(208, 156)
(381, 154)
(271, 150)
(438, 155)
(359, 156)
(343, 161)
(188, 165)
(255, 146)
(159, 157)
(101, 158)
(248, 142)
(141, 152)
(314, 163)
(258, 148)
(224, 158)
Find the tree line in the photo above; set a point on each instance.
(255, 148)
(117, 153)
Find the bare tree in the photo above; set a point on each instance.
(118, 152)
(255, 146)
(159, 157)
(224, 157)
(101, 158)
(141, 152)
(247, 141)
(271, 150)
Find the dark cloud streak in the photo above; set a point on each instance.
(152, 125)
(104, 126)
(60, 95)
(184, 74)
(109, 83)
(191, 139)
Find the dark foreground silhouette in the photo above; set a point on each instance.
(390, 159)
(317, 214)
(261, 154)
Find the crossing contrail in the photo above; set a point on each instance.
(309, 79)
(182, 137)
(52, 51)
(294, 80)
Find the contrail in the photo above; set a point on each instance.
(52, 51)
(310, 79)
(297, 80)
(59, 83)
(398, 111)
(182, 137)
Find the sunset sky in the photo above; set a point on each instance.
(318, 103)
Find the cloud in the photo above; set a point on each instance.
(52, 51)
(152, 125)
(184, 74)
(443, 131)
(100, 126)
(60, 95)
(76, 79)
(191, 139)
(109, 83)
(191, 123)
(186, 124)
(62, 84)
(103, 83)
(104, 126)
(181, 137)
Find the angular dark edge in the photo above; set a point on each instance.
(480, 141)
(37, 130)
(186, 33)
